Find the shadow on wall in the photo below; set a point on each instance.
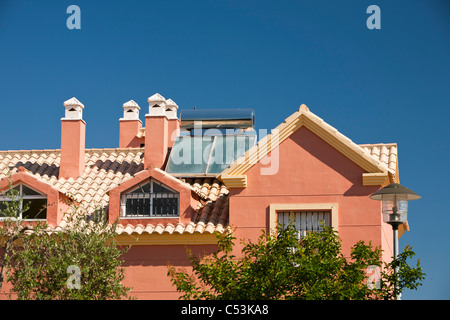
(335, 160)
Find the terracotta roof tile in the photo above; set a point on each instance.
(385, 153)
(107, 168)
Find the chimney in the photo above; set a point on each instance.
(130, 125)
(174, 122)
(73, 138)
(156, 132)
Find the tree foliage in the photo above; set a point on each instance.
(12, 227)
(82, 261)
(280, 266)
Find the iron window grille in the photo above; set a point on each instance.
(151, 200)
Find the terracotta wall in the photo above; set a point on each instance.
(146, 269)
(309, 171)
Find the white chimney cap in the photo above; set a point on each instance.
(73, 102)
(74, 109)
(171, 104)
(171, 109)
(130, 111)
(131, 104)
(156, 105)
(156, 98)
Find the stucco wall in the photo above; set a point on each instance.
(309, 171)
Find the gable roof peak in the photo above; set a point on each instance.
(303, 107)
(234, 175)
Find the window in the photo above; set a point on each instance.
(33, 202)
(306, 215)
(150, 200)
(305, 221)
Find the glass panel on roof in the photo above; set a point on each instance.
(208, 154)
(190, 154)
(227, 149)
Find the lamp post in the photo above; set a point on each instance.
(395, 199)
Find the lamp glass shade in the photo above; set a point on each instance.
(395, 212)
(395, 199)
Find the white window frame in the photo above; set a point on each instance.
(23, 198)
(128, 195)
(275, 208)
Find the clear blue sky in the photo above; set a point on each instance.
(387, 85)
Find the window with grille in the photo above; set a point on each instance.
(305, 221)
(151, 199)
(32, 205)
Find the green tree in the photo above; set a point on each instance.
(279, 266)
(82, 261)
(12, 227)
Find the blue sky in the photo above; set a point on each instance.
(386, 85)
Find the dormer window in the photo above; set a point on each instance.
(150, 200)
(32, 204)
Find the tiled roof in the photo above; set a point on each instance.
(385, 153)
(105, 170)
(214, 210)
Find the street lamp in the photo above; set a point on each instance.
(395, 199)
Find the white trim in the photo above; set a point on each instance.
(274, 208)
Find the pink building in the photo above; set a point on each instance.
(172, 186)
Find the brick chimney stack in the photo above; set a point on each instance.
(73, 139)
(130, 125)
(174, 122)
(156, 132)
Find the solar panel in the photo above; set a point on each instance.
(207, 155)
(217, 118)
